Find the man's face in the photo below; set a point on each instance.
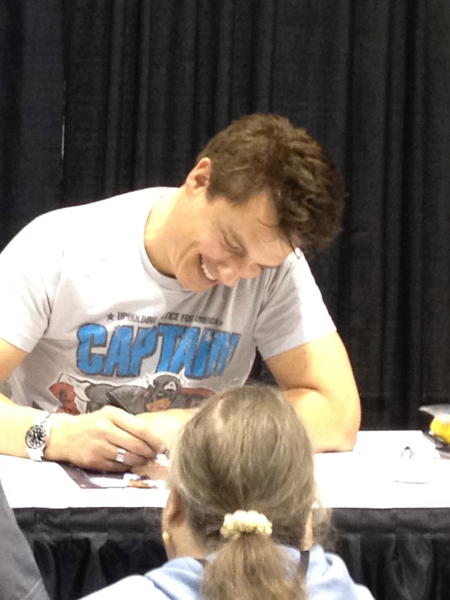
(220, 243)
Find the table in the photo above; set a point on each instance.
(391, 513)
(391, 517)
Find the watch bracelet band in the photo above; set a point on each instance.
(40, 428)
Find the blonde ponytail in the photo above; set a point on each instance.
(252, 567)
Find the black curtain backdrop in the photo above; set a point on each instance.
(31, 111)
(130, 90)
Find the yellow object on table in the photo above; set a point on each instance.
(440, 426)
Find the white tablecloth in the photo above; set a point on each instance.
(379, 473)
(387, 469)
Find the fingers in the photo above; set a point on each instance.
(127, 440)
(153, 470)
(123, 460)
(132, 443)
(121, 456)
(167, 423)
(133, 434)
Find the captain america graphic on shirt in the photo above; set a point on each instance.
(184, 353)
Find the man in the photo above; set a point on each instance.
(154, 299)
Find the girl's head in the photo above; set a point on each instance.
(245, 449)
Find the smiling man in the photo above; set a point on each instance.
(203, 243)
(115, 310)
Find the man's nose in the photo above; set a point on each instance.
(233, 270)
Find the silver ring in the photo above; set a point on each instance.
(120, 456)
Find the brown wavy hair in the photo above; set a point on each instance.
(246, 449)
(266, 152)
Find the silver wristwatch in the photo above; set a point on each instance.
(36, 437)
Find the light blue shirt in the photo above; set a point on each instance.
(327, 578)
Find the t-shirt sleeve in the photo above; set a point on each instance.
(293, 312)
(29, 272)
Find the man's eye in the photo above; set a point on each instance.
(232, 247)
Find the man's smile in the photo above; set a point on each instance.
(205, 270)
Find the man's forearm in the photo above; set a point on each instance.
(331, 423)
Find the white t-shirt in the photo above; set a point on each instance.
(101, 325)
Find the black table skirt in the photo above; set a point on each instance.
(400, 554)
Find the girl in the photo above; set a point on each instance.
(237, 525)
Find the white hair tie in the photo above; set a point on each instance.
(245, 521)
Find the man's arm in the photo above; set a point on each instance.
(319, 382)
(90, 440)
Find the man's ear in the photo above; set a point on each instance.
(198, 177)
(173, 513)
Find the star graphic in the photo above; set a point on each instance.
(110, 317)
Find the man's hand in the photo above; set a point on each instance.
(91, 440)
(94, 440)
(167, 423)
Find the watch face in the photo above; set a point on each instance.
(36, 437)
